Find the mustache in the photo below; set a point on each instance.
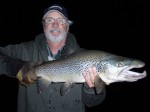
(55, 30)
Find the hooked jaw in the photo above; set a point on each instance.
(130, 76)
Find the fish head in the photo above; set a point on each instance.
(119, 69)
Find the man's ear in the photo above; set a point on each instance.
(67, 28)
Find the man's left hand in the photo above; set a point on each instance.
(90, 76)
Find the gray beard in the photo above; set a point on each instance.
(55, 39)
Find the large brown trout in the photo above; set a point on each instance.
(110, 68)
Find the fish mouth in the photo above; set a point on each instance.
(134, 76)
(134, 73)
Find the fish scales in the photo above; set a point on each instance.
(70, 68)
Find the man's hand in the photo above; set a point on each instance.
(90, 76)
(26, 74)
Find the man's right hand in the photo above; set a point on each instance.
(26, 74)
(24, 69)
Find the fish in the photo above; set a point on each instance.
(68, 70)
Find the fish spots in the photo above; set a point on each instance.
(101, 67)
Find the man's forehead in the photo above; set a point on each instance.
(54, 13)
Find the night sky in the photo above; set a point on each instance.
(121, 27)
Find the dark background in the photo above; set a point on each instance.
(121, 27)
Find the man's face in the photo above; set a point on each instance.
(55, 27)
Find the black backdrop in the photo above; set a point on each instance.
(120, 27)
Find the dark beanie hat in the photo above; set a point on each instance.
(60, 9)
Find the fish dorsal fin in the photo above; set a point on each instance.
(42, 84)
(65, 88)
(99, 84)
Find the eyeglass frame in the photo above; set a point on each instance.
(63, 20)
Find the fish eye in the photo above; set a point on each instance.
(120, 64)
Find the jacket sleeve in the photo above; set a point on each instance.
(90, 98)
(13, 57)
(10, 66)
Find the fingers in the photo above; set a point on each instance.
(26, 74)
(87, 79)
(90, 76)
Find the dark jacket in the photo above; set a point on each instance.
(29, 100)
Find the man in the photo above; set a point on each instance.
(16, 61)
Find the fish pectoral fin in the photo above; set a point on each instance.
(99, 84)
(65, 88)
(42, 84)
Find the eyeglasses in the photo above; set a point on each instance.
(50, 20)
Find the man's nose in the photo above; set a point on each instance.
(55, 24)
